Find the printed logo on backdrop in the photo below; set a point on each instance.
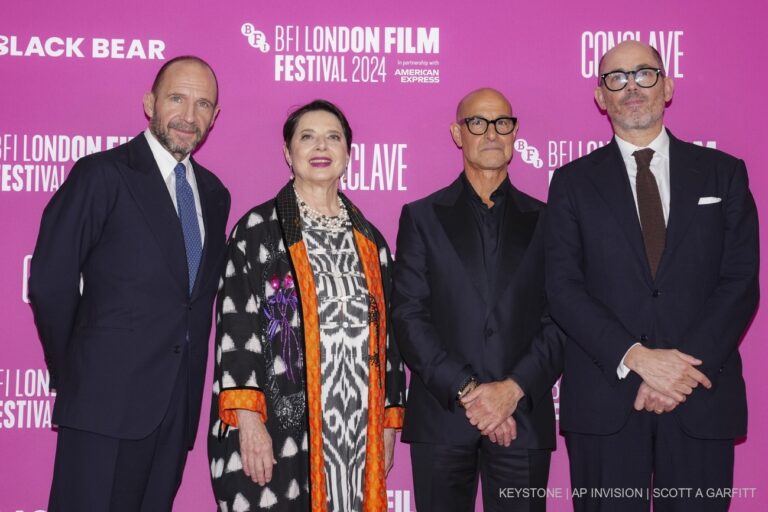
(595, 44)
(376, 55)
(36, 162)
(25, 399)
(81, 47)
(399, 500)
(561, 152)
(376, 166)
(27, 262)
(556, 399)
(528, 153)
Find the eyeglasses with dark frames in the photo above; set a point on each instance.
(478, 125)
(618, 80)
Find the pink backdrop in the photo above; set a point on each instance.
(72, 75)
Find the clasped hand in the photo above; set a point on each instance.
(489, 407)
(669, 376)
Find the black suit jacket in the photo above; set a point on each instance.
(445, 329)
(115, 351)
(603, 296)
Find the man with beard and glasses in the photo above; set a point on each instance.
(652, 272)
(125, 270)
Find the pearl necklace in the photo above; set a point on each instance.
(324, 221)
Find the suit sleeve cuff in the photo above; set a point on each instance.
(249, 399)
(464, 375)
(622, 371)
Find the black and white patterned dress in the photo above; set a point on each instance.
(343, 313)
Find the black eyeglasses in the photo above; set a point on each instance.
(479, 125)
(644, 77)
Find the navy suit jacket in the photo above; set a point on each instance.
(602, 294)
(114, 352)
(447, 331)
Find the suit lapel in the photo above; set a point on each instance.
(151, 195)
(610, 178)
(516, 232)
(456, 218)
(686, 184)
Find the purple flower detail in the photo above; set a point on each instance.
(281, 307)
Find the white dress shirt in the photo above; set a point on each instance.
(660, 170)
(166, 163)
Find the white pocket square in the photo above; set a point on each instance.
(709, 200)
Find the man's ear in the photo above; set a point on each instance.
(215, 115)
(456, 134)
(669, 89)
(149, 104)
(599, 98)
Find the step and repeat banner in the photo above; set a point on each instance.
(72, 76)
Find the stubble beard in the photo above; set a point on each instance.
(163, 136)
(640, 117)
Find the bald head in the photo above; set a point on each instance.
(653, 58)
(485, 96)
(487, 151)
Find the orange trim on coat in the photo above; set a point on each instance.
(393, 417)
(374, 480)
(250, 399)
(308, 295)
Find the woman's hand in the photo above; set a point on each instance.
(389, 449)
(255, 447)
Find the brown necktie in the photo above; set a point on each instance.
(649, 205)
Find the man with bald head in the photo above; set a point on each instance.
(143, 224)
(468, 306)
(652, 272)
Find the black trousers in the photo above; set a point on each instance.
(93, 472)
(445, 477)
(649, 460)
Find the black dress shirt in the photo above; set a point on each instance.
(489, 225)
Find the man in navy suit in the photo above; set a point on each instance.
(652, 272)
(467, 307)
(144, 226)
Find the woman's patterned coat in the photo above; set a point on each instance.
(268, 360)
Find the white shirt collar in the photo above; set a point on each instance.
(660, 145)
(164, 159)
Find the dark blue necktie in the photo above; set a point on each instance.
(189, 226)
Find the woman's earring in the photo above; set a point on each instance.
(346, 169)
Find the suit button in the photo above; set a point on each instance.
(177, 349)
(643, 337)
(488, 332)
(656, 293)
